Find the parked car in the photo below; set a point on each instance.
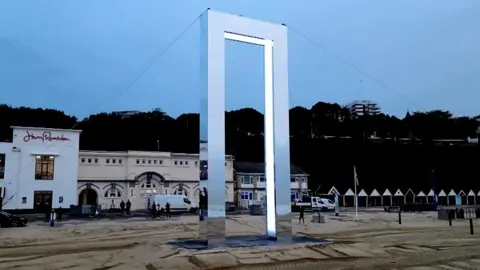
(9, 220)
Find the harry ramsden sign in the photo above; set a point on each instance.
(45, 136)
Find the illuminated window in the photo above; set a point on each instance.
(44, 167)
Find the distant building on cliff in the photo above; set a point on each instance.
(363, 107)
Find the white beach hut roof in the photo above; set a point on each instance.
(462, 193)
(362, 193)
(349, 193)
(452, 193)
(333, 190)
(375, 193)
(410, 191)
(471, 193)
(421, 194)
(388, 193)
(442, 194)
(398, 193)
(431, 193)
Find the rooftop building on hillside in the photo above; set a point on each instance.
(363, 107)
(127, 113)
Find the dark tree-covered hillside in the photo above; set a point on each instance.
(326, 141)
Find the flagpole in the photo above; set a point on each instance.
(356, 200)
(355, 183)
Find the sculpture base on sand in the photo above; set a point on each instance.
(246, 241)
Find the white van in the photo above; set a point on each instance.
(317, 203)
(323, 204)
(178, 203)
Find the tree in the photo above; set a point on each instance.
(325, 141)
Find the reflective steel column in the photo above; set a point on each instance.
(212, 132)
(282, 137)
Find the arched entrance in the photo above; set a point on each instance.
(88, 197)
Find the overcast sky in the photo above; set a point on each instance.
(77, 56)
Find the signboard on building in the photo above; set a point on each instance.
(45, 136)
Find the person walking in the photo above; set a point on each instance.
(159, 209)
(167, 208)
(162, 212)
(154, 210)
(129, 205)
(47, 213)
(122, 208)
(301, 218)
(59, 214)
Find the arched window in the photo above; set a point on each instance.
(151, 185)
(113, 193)
(148, 184)
(181, 192)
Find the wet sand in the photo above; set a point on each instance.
(371, 241)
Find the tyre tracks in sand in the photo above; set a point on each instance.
(387, 248)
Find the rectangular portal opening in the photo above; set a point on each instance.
(249, 85)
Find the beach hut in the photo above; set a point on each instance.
(430, 196)
(471, 198)
(387, 198)
(362, 198)
(451, 197)
(421, 197)
(463, 196)
(409, 197)
(398, 198)
(375, 199)
(332, 192)
(442, 198)
(349, 198)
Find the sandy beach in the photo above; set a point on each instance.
(371, 241)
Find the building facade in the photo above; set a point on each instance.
(363, 107)
(44, 167)
(107, 178)
(39, 168)
(250, 182)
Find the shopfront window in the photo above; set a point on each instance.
(44, 167)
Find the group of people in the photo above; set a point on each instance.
(125, 207)
(49, 211)
(157, 211)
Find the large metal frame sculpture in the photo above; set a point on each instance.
(216, 27)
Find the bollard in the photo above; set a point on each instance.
(471, 227)
(399, 216)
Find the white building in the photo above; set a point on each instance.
(40, 167)
(107, 178)
(45, 167)
(363, 107)
(250, 182)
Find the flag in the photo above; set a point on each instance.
(355, 176)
